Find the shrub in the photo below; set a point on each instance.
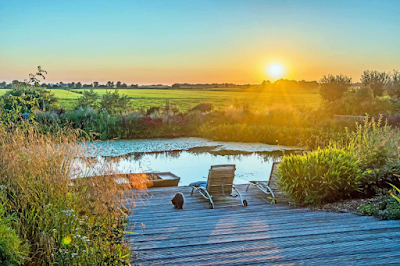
(322, 176)
(376, 178)
(203, 107)
(153, 109)
(114, 103)
(89, 98)
(12, 250)
(385, 209)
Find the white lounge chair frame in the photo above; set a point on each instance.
(264, 185)
(219, 183)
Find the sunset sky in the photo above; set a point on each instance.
(203, 41)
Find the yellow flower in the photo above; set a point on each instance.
(66, 240)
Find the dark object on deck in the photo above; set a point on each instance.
(178, 200)
(219, 183)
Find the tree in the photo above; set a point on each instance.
(15, 82)
(175, 85)
(113, 102)
(34, 78)
(333, 87)
(265, 83)
(375, 80)
(78, 85)
(89, 98)
(393, 85)
(124, 86)
(95, 84)
(110, 84)
(71, 85)
(118, 84)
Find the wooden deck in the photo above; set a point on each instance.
(259, 234)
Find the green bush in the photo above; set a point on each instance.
(318, 177)
(203, 107)
(376, 179)
(12, 251)
(385, 209)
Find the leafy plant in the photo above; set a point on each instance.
(398, 191)
(89, 98)
(322, 176)
(114, 102)
(12, 250)
(385, 209)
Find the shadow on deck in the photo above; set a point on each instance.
(258, 234)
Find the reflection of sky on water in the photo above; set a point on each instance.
(187, 158)
(192, 167)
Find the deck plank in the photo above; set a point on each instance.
(260, 233)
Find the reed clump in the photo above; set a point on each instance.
(63, 220)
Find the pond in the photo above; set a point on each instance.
(189, 158)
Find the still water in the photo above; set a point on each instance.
(190, 158)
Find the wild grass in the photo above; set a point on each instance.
(64, 221)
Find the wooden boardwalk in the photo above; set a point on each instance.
(259, 234)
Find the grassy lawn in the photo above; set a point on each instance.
(221, 98)
(2, 91)
(185, 99)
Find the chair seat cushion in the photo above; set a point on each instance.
(198, 184)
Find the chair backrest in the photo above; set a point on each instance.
(220, 179)
(274, 168)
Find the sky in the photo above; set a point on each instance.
(203, 41)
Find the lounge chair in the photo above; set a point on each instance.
(264, 185)
(219, 183)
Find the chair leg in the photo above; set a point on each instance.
(248, 187)
(244, 202)
(211, 203)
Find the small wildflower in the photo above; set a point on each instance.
(66, 240)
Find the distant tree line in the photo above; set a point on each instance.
(333, 87)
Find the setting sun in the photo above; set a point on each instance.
(275, 70)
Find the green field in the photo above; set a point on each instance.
(185, 99)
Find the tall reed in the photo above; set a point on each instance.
(64, 221)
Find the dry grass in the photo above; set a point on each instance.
(67, 224)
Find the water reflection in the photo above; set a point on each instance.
(192, 166)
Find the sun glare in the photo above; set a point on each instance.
(275, 70)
